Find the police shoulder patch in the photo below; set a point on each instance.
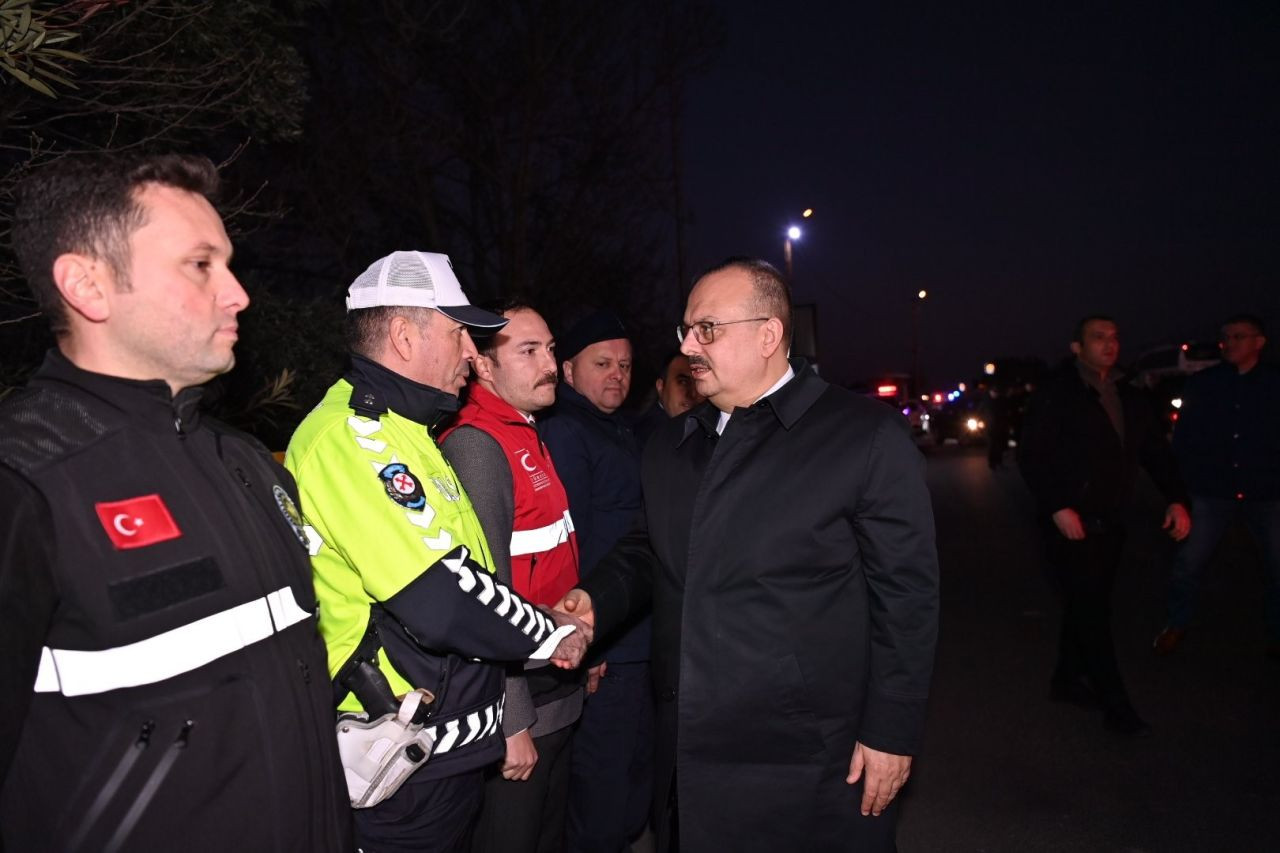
(290, 512)
(402, 486)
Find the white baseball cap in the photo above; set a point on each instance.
(420, 280)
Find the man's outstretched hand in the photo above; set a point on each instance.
(578, 603)
(568, 654)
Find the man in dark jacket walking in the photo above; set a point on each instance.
(787, 548)
(1083, 440)
(162, 681)
(1228, 446)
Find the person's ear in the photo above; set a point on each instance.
(1075, 347)
(770, 337)
(85, 284)
(483, 367)
(402, 337)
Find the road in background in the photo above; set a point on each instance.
(1004, 769)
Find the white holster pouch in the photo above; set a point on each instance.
(378, 755)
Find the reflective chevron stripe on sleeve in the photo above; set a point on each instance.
(494, 594)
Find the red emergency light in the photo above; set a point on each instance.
(886, 390)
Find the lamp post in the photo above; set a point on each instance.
(921, 295)
(793, 233)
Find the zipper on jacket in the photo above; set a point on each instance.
(150, 787)
(109, 788)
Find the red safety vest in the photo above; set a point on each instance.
(544, 548)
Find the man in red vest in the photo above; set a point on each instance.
(522, 505)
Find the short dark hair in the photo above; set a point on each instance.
(364, 328)
(1077, 334)
(1249, 320)
(665, 364)
(770, 290)
(89, 204)
(487, 345)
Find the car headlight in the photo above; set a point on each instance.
(973, 424)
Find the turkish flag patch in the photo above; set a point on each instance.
(137, 522)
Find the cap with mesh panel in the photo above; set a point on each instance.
(419, 280)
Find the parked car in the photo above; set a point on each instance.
(961, 421)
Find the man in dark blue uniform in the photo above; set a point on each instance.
(598, 459)
(162, 679)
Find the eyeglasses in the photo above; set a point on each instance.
(705, 331)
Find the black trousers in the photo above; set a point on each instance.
(1085, 573)
(611, 782)
(528, 816)
(428, 816)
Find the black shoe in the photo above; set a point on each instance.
(1125, 721)
(1073, 691)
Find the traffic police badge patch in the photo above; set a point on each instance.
(290, 512)
(402, 486)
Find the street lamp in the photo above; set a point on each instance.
(915, 339)
(793, 233)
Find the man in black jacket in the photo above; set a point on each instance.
(598, 458)
(787, 548)
(1084, 438)
(1228, 446)
(162, 679)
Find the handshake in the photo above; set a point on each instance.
(572, 610)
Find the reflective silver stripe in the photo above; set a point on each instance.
(549, 645)
(461, 731)
(78, 673)
(541, 538)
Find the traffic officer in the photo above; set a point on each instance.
(402, 568)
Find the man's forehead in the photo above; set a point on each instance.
(1100, 327)
(182, 217)
(719, 293)
(524, 325)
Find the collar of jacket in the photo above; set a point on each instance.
(788, 403)
(149, 402)
(566, 394)
(375, 390)
(1068, 374)
(484, 399)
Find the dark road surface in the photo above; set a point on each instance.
(1004, 769)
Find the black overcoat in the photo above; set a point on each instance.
(794, 582)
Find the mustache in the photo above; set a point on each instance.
(547, 379)
(699, 361)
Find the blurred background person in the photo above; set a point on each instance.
(1227, 442)
(1084, 438)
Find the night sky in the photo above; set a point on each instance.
(1025, 167)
